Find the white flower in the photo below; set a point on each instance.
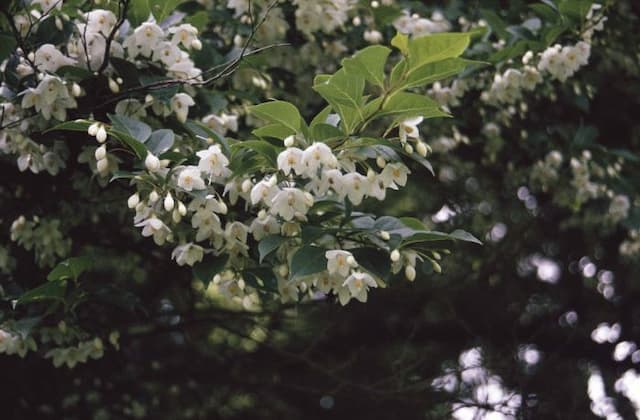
(48, 58)
(316, 155)
(264, 191)
(151, 162)
(189, 179)
(144, 39)
(354, 186)
(184, 34)
(212, 160)
(99, 20)
(156, 228)
(290, 202)
(180, 104)
(409, 128)
(358, 284)
(291, 159)
(187, 254)
(167, 53)
(394, 174)
(207, 223)
(340, 262)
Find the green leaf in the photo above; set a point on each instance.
(306, 261)
(495, 22)
(401, 42)
(138, 148)
(261, 147)
(204, 133)
(52, 290)
(463, 235)
(277, 131)
(209, 267)
(269, 244)
(281, 112)
(323, 132)
(70, 268)
(368, 63)
(262, 278)
(7, 45)
(76, 125)
(160, 141)
(134, 128)
(74, 73)
(160, 9)
(342, 88)
(438, 70)
(374, 260)
(436, 47)
(575, 9)
(404, 105)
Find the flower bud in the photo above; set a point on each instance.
(381, 162)
(395, 255)
(384, 235)
(421, 148)
(289, 141)
(196, 44)
(101, 135)
(408, 149)
(133, 201)
(182, 209)
(113, 86)
(103, 165)
(169, 202)
(175, 216)
(153, 197)
(93, 129)
(76, 90)
(152, 163)
(101, 152)
(371, 175)
(283, 270)
(410, 272)
(246, 185)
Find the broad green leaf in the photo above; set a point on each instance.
(134, 128)
(76, 125)
(281, 112)
(269, 244)
(160, 141)
(7, 45)
(138, 148)
(322, 132)
(276, 130)
(321, 117)
(160, 9)
(438, 70)
(404, 105)
(52, 290)
(495, 22)
(401, 42)
(307, 260)
(436, 47)
(463, 235)
(209, 267)
(74, 73)
(575, 9)
(70, 268)
(368, 63)
(374, 260)
(342, 88)
(261, 147)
